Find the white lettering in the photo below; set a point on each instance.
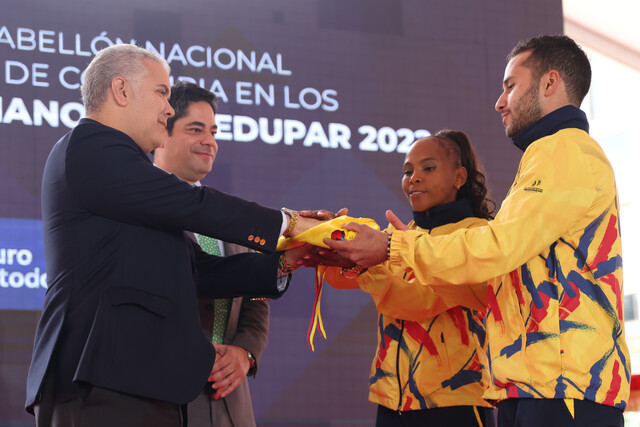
(65, 114)
(11, 67)
(17, 111)
(8, 66)
(63, 79)
(21, 256)
(224, 127)
(266, 63)
(316, 135)
(5, 37)
(274, 138)
(24, 257)
(79, 50)
(315, 95)
(330, 102)
(50, 114)
(176, 54)
(102, 38)
(275, 131)
(217, 59)
(293, 129)
(217, 89)
(44, 41)
(63, 51)
(287, 100)
(241, 90)
(240, 123)
(311, 99)
(35, 74)
(192, 61)
(268, 96)
(281, 70)
(69, 114)
(17, 279)
(339, 135)
(26, 39)
(249, 62)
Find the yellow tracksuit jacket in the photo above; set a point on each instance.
(552, 257)
(431, 349)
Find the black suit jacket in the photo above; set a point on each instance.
(121, 309)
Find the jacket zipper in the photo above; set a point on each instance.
(398, 368)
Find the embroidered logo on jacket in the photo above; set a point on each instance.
(536, 186)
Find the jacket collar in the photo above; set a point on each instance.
(87, 121)
(562, 118)
(443, 214)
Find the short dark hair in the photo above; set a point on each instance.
(558, 53)
(184, 94)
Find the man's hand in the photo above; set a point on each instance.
(311, 218)
(308, 255)
(230, 368)
(322, 214)
(367, 249)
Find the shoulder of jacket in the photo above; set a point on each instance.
(469, 222)
(571, 136)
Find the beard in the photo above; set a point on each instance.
(525, 112)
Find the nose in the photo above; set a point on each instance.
(210, 140)
(501, 103)
(169, 111)
(414, 178)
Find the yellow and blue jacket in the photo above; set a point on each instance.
(431, 347)
(553, 260)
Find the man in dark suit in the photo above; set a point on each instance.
(189, 152)
(119, 342)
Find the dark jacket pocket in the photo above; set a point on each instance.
(156, 304)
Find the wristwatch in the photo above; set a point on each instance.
(252, 363)
(252, 360)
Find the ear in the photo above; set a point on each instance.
(550, 82)
(121, 91)
(460, 177)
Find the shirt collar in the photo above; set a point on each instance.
(562, 118)
(443, 214)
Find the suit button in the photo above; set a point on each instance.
(256, 239)
(262, 242)
(250, 237)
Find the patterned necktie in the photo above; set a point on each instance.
(221, 305)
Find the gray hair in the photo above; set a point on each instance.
(122, 60)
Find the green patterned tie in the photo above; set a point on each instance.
(221, 305)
